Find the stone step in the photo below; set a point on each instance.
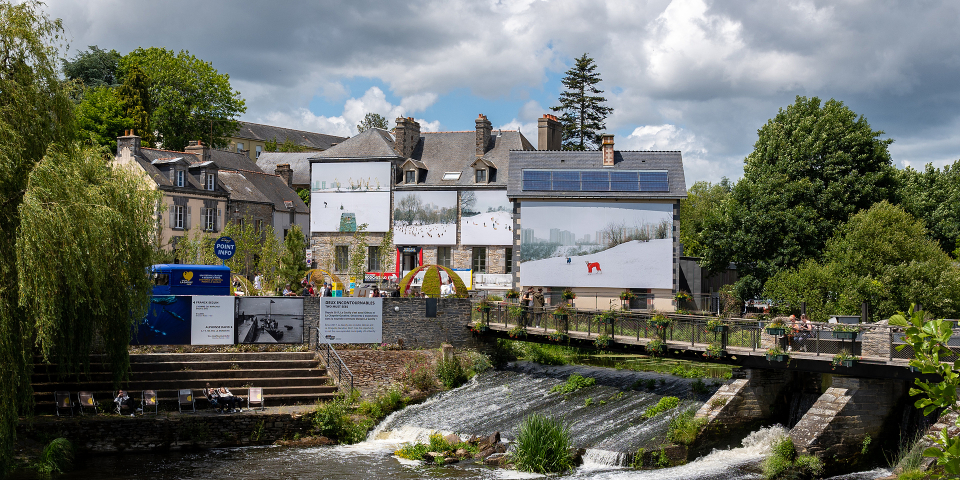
(219, 357)
(174, 384)
(168, 400)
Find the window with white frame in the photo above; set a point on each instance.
(180, 174)
(177, 216)
(239, 147)
(209, 218)
(211, 181)
(259, 150)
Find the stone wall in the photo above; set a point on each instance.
(375, 369)
(108, 434)
(743, 402)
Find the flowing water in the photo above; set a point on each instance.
(609, 426)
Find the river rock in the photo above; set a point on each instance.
(500, 447)
(432, 456)
(452, 439)
(461, 453)
(495, 459)
(486, 452)
(450, 460)
(490, 441)
(576, 454)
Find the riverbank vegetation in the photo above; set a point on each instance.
(784, 463)
(542, 446)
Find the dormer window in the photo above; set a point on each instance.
(410, 176)
(180, 175)
(481, 175)
(211, 181)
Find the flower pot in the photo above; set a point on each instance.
(776, 358)
(847, 363)
(845, 335)
(713, 355)
(776, 331)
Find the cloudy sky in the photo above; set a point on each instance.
(697, 76)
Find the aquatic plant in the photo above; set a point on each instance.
(542, 446)
(574, 382)
(665, 403)
(685, 427)
(784, 462)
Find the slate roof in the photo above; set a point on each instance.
(253, 186)
(625, 160)
(266, 133)
(231, 160)
(443, 152)
(372, 143)
(299, 162)
(150, 158)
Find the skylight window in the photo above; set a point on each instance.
(451, 175)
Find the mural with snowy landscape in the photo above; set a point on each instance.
(596, 244)
(425, 218)
(485, 218)
(346, 195)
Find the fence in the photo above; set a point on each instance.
(339, 368)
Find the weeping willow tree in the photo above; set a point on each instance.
(35, 112)
(96, 221)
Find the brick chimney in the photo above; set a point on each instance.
(286, 173)
(549, 133)
(197, 148)
(484, 128)
(129, 141)
(607, 141)
(406, 136)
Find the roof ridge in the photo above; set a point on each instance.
(292, 129)
(469, 131)
(164, 150)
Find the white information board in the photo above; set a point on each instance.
(213, 322)
(351, 320)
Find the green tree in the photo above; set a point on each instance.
(304, 194)
(286, 146)
(704, 204)
(134, 95)
(357, 263)
(35, 112)
(933, 195)
(189, 99)
(881, 256)
(372, 120)
(196, 248)
(268, 259)
(582, 105)
(101, 117)
(386, 253)
(813, 166)
(94, 68)
(293, 265)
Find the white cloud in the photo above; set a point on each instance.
(696, 164)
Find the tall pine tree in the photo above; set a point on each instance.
(582, 106)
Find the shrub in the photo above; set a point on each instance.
(383, 404)
(542, 446)
(55, 457)
(684, 427)
(783, 462)
(699, 387)
(451, 373)
(435, 444)
(330, 419)
(475, 363)
(665, 403)
(574, 382)
(419, 374)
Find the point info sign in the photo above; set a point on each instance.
(224, 248)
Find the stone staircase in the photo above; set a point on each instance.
(287, 378)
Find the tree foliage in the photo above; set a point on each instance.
(94, 68)
(703, 205)
(101, 117)
(134, 96)
(933, 195)
(293, 264)
(813, 166)
(881, 256)
(357, 264)
(286, 146)
(582, 105)
(189, 99)
(372, 120)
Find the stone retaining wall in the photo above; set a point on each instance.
(109, 434)
(743, 402)
(375, 369)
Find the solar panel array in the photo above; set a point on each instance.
(595, 180)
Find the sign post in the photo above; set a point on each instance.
(224, 248)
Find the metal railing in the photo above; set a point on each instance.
(328, 354)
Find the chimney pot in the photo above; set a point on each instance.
(607, 145)
(549, 133)
(284, 171)
(484, 129)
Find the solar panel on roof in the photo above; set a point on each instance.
(569, 180)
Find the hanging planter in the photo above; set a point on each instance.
(717, 325)
(715, 351)
(844, 359)
(846, 332)
(777, 354)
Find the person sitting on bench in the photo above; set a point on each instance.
(213, 397)
(229, 400)
(122, 400)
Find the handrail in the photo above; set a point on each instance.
(341, 365)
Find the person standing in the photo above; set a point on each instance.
(538, 303)
(526, 301)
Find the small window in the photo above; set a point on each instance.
(508, 260)
(259, 150)
(481, 175)
(342, 257)
(259, 226)
(411, 176)
(373, 258)
(161, 279)
(451, 175)
(479, 259)
(180, 178)
(444, 257)
(239, 148)
(211, 181)
(178, 217)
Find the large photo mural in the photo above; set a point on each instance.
(344, 195)
(425, 218)
(485, 218)
(596, 244)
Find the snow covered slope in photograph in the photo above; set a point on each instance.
(634, 264)
(433, 234)
(491, 228)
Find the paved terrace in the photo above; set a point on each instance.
(745, 341)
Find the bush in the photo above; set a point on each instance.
(451, 373)
(665, 403)
(542, 446)
(684, 428)
(383, 404)
(783, 462)
(699, 387)
(574, 382)
(55, 457)
(435, 444)
(419, 374)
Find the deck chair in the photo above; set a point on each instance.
(86, 401)
(185, 398)
(63, 402)
(149, 400)
(255, 395)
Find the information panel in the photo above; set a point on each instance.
(351, 320)
(212, 320)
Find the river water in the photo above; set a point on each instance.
(609, 426)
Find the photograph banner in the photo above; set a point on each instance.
(346, 177)
(167, 322)
(425, 218)
(351, 320)
(485, 218)
(344, 195)
(596, 244)
(212, 320)
(264, 320)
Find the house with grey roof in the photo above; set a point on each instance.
(251, 139)
(598, 223)
(442, 193)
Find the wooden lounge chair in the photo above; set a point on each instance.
(185, 397)
(149, 400)
(63, 402)
(86, 401)
(255, 395)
